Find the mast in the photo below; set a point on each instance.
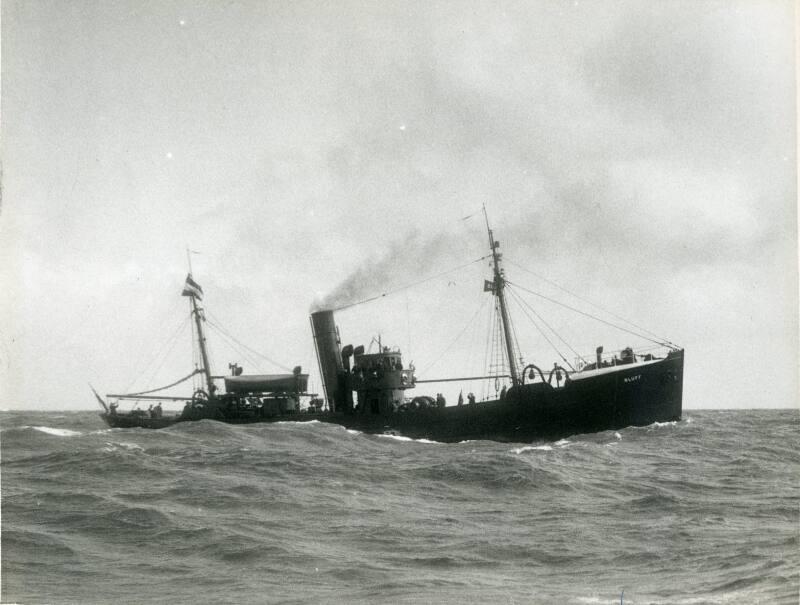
(193, 290)
(497, 288)
(201, 340)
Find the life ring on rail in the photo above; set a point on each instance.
(529, 372)
(557, 370)
(199, 397)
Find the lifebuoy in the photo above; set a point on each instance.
(557, 369)
(531, 367)
(199, 396)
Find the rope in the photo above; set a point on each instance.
(589, 302)
(499, 353)
(608, 323)
(248, 357)
(241, 344)
(160, 365)
(162, 353)
(550, 342)
(147, 356)
(410, 285)
(515, 343)
(548, 326)
(476, 338)
(185, 378)
(460, 334)
(494, 347)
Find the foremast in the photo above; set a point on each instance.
(193, 290)
(497, 287)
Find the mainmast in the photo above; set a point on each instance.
(497, 287)
(193, 290)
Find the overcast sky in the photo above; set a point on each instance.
(639, 154)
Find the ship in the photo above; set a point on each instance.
(372, 391)
(246, 399)
(610, 392)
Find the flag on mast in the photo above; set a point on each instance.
(192, 288)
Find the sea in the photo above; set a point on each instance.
(704, 510)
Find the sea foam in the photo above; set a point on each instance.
(56, 432)
(528, 448)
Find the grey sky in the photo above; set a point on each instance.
(641, 154)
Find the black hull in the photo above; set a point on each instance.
(125, 421)
(635, 395)
(614, 398)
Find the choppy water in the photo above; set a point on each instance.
(700, 511)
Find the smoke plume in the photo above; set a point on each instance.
(407, 260)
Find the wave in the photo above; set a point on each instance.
(529, 448)
(113, 447)
(36, 547)
(212, 512)
(656, 425)
(56, 432)
(403, 438)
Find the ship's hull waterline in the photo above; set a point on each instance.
(634, 395)
(369, 390)
(637, 395)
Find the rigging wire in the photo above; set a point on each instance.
(216, 324)
(489, 350)
(146, 356)
(521, 302)
(163, 359)
(184, 379)
(475, 338)
(248, 357)
(516, 349)
(499, 346)
(608, 323)
(161, 353)
(460, 334)
(495, 360)
(410, 285)
(589, 302)
(253, 355)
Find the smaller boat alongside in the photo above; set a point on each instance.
(246, 399)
